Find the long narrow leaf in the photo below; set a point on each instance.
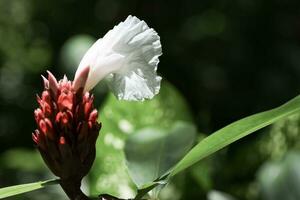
(234, 132)
(19, 189)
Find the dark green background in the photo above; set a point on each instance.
(229, 59)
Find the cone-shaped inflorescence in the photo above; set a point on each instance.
(67, 130)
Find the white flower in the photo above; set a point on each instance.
(127, 56)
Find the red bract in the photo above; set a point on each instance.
(67, 127)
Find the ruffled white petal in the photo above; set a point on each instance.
(128, 56)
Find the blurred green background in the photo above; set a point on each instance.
(226, 59)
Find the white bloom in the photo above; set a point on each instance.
(127, 56)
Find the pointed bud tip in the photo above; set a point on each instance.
(65, 78)
(81, 78)
(53, 85)
(46, 82)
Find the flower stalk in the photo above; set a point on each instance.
(72, 189)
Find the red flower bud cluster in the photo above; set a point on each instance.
(67, 127)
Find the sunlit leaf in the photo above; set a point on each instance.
(236, 131)
(152, 152)
(121, 119)
(19, 189)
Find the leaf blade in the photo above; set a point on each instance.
(23, 188)
(151, 153)
(234, 132)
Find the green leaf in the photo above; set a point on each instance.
(143, 191)
(19, 189)
(121, 119)
(234, 132)
(151, 152)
